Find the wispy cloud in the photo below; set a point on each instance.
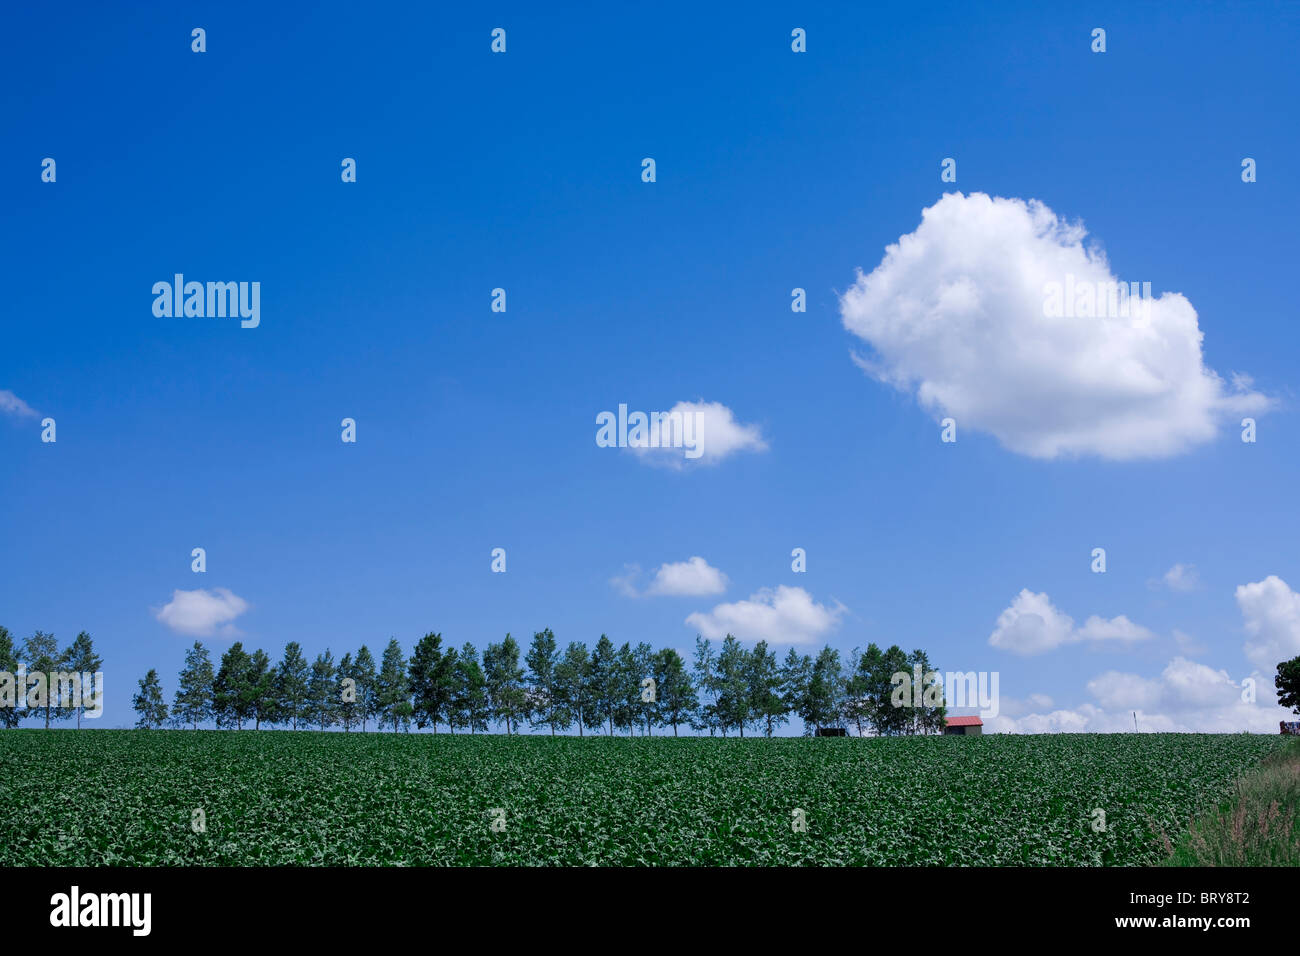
(11, 404)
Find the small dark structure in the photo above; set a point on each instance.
(832, 732)
(1290, 727)
(969, 726)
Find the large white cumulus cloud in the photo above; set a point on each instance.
(955, 314)
(1271, 612)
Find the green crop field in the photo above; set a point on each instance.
(129, 797)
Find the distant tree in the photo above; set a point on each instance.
(763, 682)
(81, 659)
(9, 715)
(890, 720)
(232, 688)
(601, 687)
(734, 697)
(676, 700)
(428, 698)
(322, 702)
(444, 680)
(363, 672)
(261, 704)
(643, 665)
(393, 686)
(571, 677)
(345, 695)
(706, 683)
(149, 703)
(925, 717)
(544, 707)
(893, 718)
(826, 690)
(41, 654)
(626, 686)
(193, 702)
(796, 678)
(1287, 683)
(469, 691)
(856, 704)
(293, 678)
(505, 682)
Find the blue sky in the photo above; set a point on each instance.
(774, 170)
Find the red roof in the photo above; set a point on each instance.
(964, 722)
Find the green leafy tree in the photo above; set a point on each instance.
(363, 672)
(393, 686)
(427, 674)
(232, 688)
(571, 676)
(470, 691)
(601, 683)
(734, 698)
(926, 716)
(627, 689)
(262, 704)
(796, 677)
(81, 659)
(41, 654)
(763, 682)
(320, 691)
(571, 686)
(449, 682)
(9, 715)
(706, 682)
(892, 719)
(1287, 683)
(345, 692)
(826, 689)
(856, 710)
(544, 695)
(643, 664)
(675, 697)
(193, 702)
(293, 678)
(505, 682)
(149, 703)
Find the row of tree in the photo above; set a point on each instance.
(41, 653)
(605, 689)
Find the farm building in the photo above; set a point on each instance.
(963, 725)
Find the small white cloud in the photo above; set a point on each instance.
(1271, 611)
(1112, 629)
(11, 404)
(1032, 624)
(694, 577)
(199, 613)
(1182, 577)
(781, 615)
(710, 427)
(956, 314)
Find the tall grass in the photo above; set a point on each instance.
(1258, 826)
